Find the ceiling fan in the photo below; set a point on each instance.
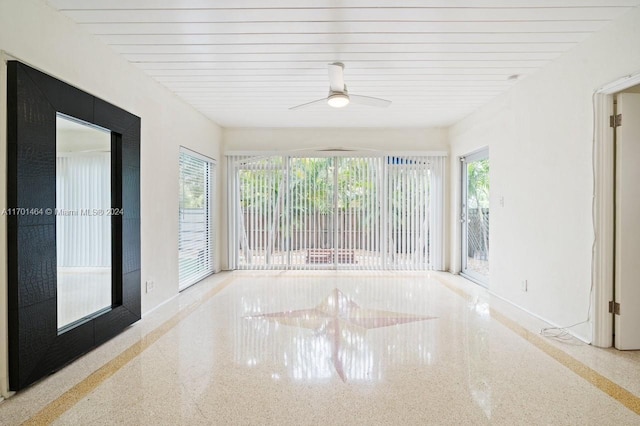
(339, 96)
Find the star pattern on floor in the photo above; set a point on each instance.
(335, 315)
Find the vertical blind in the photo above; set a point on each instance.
(336, 212)
(195, 229)
(83, 183)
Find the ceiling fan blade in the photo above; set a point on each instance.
(336, 77)
(371, 101)
(309, 104)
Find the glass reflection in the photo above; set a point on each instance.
(335, 335)
(83, 221)
(477, 321)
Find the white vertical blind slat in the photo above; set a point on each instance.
(83, 190)
(387, 212)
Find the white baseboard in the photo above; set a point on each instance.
(551, 323)
(160, 305)
(528, 312)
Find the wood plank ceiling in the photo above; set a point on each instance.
(243, 63)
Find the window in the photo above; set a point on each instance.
(195, 230)
(336, 212)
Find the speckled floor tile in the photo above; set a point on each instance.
(339, 348)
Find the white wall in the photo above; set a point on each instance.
(43, 38)
(540, 140)
(278, 139)
(427, 139)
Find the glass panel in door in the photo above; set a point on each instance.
(475, 217)
(312, 210)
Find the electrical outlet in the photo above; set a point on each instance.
(524, 285)
(149, 286)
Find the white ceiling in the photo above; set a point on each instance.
(243, 63)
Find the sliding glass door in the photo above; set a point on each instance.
(336, 212)
(311, 212)
(195, 229)
(475, 217)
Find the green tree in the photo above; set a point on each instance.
(478, 205)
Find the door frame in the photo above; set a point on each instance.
(602, 264)
(478, 154)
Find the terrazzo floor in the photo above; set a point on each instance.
(335, 348)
